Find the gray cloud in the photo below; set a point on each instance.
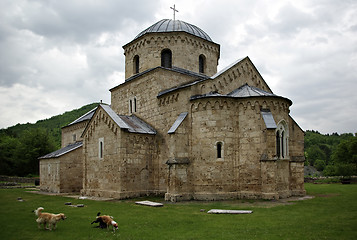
(54, 53)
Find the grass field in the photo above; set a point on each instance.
(331, 214)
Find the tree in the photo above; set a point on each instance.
(34, 143)
(345, 157)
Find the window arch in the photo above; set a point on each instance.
(282, 140)
(136, 62)
(219, 149)
(166, 58)
(201, 63)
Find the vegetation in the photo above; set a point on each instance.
(332, 214)
(334, 155)
(22, 144)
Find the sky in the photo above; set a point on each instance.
(56, 56)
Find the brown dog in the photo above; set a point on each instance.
(108, 220)
(48, 219)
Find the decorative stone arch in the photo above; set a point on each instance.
(282, 140)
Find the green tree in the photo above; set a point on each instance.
(345, 157)
(8, 146)
(34, 143)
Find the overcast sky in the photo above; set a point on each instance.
(56, 56)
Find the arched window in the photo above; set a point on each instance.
(201, 63)
(136, 64)
(100, 148)
(166, 58)
(219, 148)
(282, 140)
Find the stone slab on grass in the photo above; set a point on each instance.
(150, 204)
(221, 211)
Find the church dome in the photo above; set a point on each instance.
(169, 25)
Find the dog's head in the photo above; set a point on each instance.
(114, 224)
(38, 210)
(62, 216)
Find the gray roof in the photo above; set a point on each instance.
(178, 121)
(136, 125)
(249, 91)
(268, 119)
(169, 25)
(86, 116)
(244, 91)
(130, 123)
(62, 151)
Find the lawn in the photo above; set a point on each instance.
(331, 214)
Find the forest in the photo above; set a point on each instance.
(21, 145)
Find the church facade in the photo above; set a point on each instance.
(178, 128)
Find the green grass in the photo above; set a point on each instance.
(332, 214)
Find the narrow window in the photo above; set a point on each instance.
(166, 58)
(100, 148)
(219, 150)
(136, 64)
(130, 106)
(74, 137)
(282, 145)
(201, 63)
(134, 104)
(278, 144)
(282, 140)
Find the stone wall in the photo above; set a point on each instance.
(72, 133)
(126, 168)
(63, 174)
(149, 49)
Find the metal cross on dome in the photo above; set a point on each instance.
(175, 10)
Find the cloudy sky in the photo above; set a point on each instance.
(56, 56)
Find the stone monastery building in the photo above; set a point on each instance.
(178, 128)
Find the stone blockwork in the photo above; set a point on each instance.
(72, 133)
(62, 174)
(222, 148)
(149, 48)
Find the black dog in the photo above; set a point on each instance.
(100, 221)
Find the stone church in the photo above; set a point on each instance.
(177, 127)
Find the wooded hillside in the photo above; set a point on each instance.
(22, 144)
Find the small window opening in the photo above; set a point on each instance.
(136, 64)
(101, 148)
(130, 106)
(74, 137)
(166, 58)
(202, 62)
(219, 150)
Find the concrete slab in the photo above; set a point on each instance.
(149, 203)
(221, 211)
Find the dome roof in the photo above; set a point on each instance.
(169, 25)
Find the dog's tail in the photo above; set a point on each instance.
(98, 214)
